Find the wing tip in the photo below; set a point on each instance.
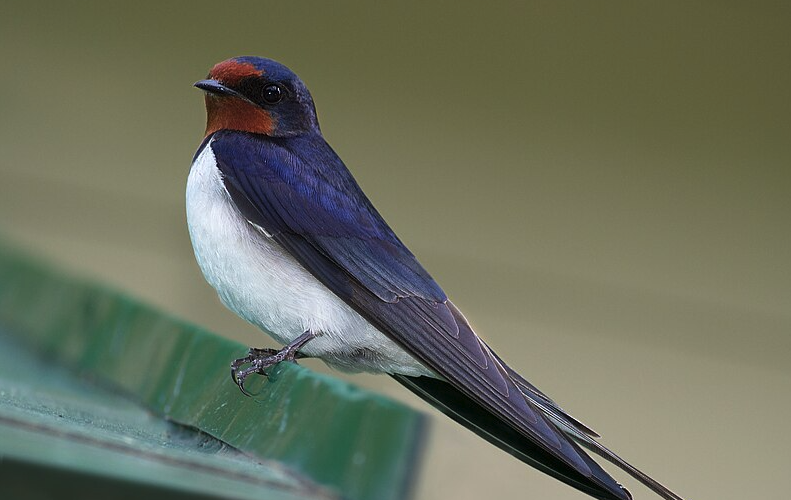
(460, 408)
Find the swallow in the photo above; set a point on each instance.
(291, 244)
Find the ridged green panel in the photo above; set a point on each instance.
(358, 443)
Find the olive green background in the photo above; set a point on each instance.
(603, 188)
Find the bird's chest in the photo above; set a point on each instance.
(257, 279)
(252, 274)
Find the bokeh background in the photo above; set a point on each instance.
(604, 189)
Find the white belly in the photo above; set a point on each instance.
(265, 285)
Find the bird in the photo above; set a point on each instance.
(291, 244)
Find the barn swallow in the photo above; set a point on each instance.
(291, 244)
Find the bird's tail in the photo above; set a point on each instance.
(466, 412)
(633, 471)
(584, 435)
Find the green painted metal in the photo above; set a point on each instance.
(61, 437)
(347, 439)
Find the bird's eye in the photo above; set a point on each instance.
(273, 94)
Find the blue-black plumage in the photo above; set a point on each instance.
(292, 244)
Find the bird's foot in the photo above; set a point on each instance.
(261, 359)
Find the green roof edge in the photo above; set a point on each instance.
(364, 445)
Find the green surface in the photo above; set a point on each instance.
(61, 435)
(344, 438)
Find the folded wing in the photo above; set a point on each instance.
(301, 194)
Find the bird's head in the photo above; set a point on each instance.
(257, 95)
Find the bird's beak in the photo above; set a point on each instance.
(215, 87)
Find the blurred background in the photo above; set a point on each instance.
(605, 191)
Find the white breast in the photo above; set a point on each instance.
(262, 283)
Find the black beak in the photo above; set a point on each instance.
(215, 87)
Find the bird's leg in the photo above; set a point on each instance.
(261, 359)
(254, 353)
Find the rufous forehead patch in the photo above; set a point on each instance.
(231, 72)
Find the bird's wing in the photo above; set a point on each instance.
(302, 195)
(473, 416)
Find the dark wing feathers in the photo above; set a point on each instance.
(547, 405)
(470, 414)
(346, 244)
(348, 228)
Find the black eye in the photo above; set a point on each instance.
(273, 94)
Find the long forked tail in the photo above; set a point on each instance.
(584, 435)
(466, 412)
(633, 471)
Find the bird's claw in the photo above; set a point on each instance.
(259, 360)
